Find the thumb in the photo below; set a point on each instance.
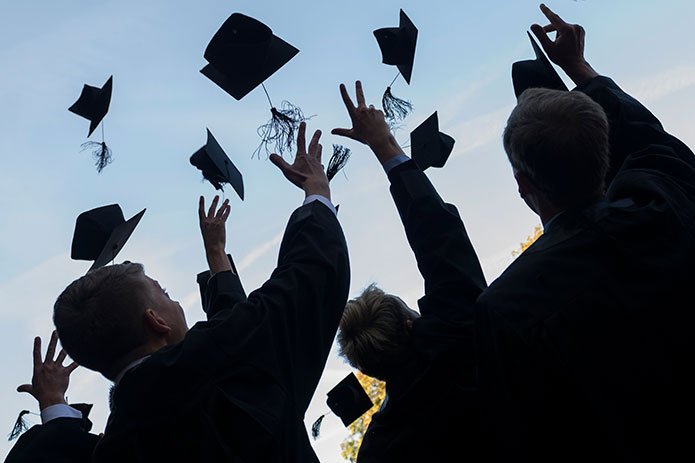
(280, 162)
(25, 388)
(542, 37)
(343, 132)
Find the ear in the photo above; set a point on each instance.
(525, 186)
(156, 323)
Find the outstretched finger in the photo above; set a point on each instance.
(61, 357)
(319, 151)
(550, 28)
(554, 19)
(50, 352)
(343, 132)
(301, 139)
(37, 353)
(347, 100)
(26, 388)
(201, 209)
(279, 162)
(314, 142)
(542, 37)
(222, 208)
(213, 207)
(72, 367)
(227, 210)
(360, 95)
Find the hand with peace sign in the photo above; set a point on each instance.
(567, 50)
(50, 379)
(368, 125)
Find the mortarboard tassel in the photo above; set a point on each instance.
(281, 128)
(338, 160)
(316, 427)
(395, 109)
(19, 426)
(100, 152)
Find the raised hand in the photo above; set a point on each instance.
(368, 125)
(212, 227)
(50, 379)
(567, 50)
(306, 171)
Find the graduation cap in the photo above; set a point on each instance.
(430, 147)
(93, 104)
(216, 166)
(101, 233)
(397, 46)
(348, 400)
(535, 73)
(242, 54)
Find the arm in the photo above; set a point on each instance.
(235, 288)
(632, 127)
(437, 236)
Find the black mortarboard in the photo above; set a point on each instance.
(243, 53)
(430, 147)
(93, 103)
(101, 233)
(397, 45)
(348, 399)
(535, 73)
(216, 166)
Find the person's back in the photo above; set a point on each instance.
(234, 387)
(584, 342)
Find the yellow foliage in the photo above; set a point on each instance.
(537, 232)
(377, 391)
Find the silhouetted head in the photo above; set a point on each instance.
(374, 333)
(114, 315)
(557, 143)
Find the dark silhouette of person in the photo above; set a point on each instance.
(423, 414)
(232, 388)
(581, 349)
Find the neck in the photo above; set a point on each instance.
(132, 356)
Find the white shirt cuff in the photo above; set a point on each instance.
(322, 199)
(59, 411)
(393, 162)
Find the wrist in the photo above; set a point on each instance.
(386, 149)
(45, 402)
(580, 72)
(319, 188)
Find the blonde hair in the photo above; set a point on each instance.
(372, 335)
(559, 140)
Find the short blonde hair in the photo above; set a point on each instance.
(559, 140)
(372, 336)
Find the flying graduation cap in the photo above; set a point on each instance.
(101, 233)
(428, 146)
(397, 46)
(93, 104)
(216, 166)
(535, 73)
(242, 54)
(348, 400)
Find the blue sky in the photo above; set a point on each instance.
(161, 106)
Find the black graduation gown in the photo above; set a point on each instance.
(237, 387)
(585, 342)
(62, 440)
(428, 415)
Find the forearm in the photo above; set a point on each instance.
(386, 148)
(218, 260)
(438, 238)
